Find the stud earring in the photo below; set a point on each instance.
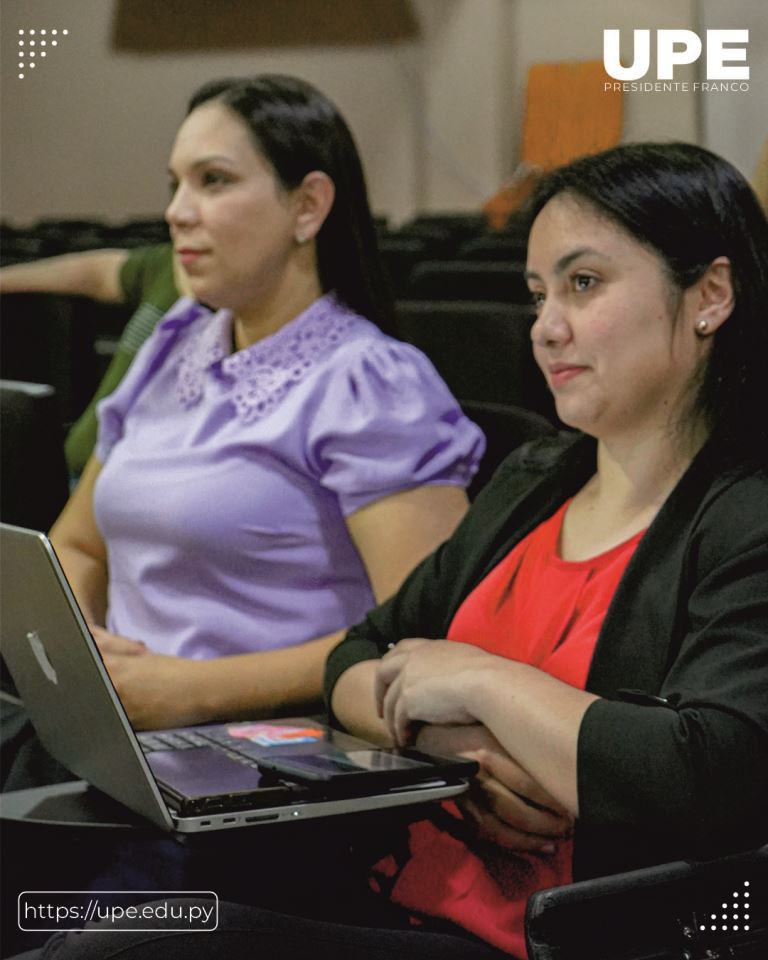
(300, 238)
(702, 327)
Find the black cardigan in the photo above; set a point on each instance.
(673, 761)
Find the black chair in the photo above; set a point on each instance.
(505, 429)
(459, 225)
(501, 248)
(482, 350)
(71, 236)
(139, 232)
(34, 487)
(99, 319)
(68, 226)
(467, 280)
(46, 338)
(16, 247)
(440, 243)
(399, 255)
(35, 480)
(687, 911)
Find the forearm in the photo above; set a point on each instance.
(536, 718)
(504, 803)
(466, 739)
(354, 705)
(80, 548)
(87, 575)
(92, 274)
(265, 683)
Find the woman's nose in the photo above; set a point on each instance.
(181, 210)
(551, 325)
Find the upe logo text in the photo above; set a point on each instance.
(675, 47)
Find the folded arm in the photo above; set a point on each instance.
(534, 717)
(505, 804)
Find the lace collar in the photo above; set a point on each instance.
(258, 377)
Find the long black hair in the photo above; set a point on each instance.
(297, 130)
(690, 206)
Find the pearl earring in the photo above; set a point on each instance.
(702, 327)
(300, 238)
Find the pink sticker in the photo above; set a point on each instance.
(270, 735)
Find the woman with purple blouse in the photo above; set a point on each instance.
(274, 463)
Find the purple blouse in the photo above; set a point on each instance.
(227, 477)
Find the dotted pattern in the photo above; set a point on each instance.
(735, 917)
(33, 43)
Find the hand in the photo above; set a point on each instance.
(156, 691)
(425, 680)
(506, 806)
(113, 643)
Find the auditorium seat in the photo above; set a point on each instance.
(505, 429)
(687, 910)
(463, 280)
(441, 243)
(17, 247)
(399, 256)
(35, 483)
(71, 236)
(139, 232)
(460, 225)
(497, 247)
(46, 339)
(482, 350)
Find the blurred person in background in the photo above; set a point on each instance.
(145, 278)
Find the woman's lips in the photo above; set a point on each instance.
(561, 373)
(188, 256)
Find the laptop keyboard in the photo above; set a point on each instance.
(173, 740)
(150, 742)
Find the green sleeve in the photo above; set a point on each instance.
(81, 438)
(148, 284)
(147, 277)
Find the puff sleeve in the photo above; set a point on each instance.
(386, 422)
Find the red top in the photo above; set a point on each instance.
(541, 610)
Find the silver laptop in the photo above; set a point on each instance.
(192, 779)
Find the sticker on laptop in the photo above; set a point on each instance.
(272, 735)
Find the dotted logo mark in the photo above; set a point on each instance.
(34, 45)
(736, 917)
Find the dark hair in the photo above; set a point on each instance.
(690, 206)
(298, 129)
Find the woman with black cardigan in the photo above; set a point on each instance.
(609, 588)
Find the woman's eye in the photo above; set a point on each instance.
(583, 281)
(537, 299)
(173, 186)
(214, 178)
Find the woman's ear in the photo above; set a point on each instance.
(315, 195)
(712, 297)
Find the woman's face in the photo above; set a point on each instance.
(232, 225)
(611, 335)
